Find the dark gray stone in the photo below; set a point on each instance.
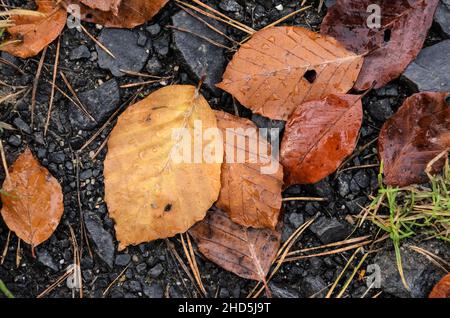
(329, 230)
(80, 52)
(161, 45)
(380, 109)
(154, 66)
(153, 29)
(156, 270)
(330, 3)
(103, 241)
(296, 219)
(14, 140)
(142, 39)
(282, 291)
(230, 6)
(343, 183)
(100, 102)
(313, 286)
(57, 157)
(44, 257)
(86, 174)
(442, 16)
(133, 286)
(22, 125)
(153, 291)
(362, 179)
(200, 56)
(124, 45)
(431, 70)
(6, 69)
(420, 274)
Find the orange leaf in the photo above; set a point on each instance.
(34, 32)
(280, 68)
(33, 200)
(414, 136)
(130, 13)
(442, 288)
(250, 197)
(319, 136)
(103, 5)
(247, 252)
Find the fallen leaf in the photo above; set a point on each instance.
(250, 197)
(149, 194)
(319, 136)
(130, 13)
(280, 68)
(246, 252)
(35, 32)
(103, 5)
(442, 288)
(389, 48)
(412, 137)
(32, 200)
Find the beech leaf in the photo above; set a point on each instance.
(148, 194)
(279, 68)
(250, 197)
(391, 46)
(32, 200)
(34, 32)
(414, 136)
(246, 252)
(319, 136)
(103, 5)
(130, 13)
(442, 288)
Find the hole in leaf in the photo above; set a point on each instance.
(89, 16)
(310, 76)
(387, 35)
(168, 207)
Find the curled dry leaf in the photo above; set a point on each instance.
(442, 288)
(251, 187)
(34, 33)
(103, 5)
(130, 13)
(32, 200)
(247, 252)
(149, 191)
(389, 48)
(279, 68)
(319, 136)
(414, 136)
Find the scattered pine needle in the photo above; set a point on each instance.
(52, 93)
(35, 84)
(104, 48)
(22, 12)
(201, 37)
(105, 292)
(5, 249)
(9, 96)
(130, 85)
(303, 199)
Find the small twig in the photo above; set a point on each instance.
(104, 48)
(19, 253)
(2, 60)
(5, 164)
(56, 283)
(35, 84)
(5, 98)
(139, 84)
(115, 280)
(5, 249)
(303, 199)
(52, 93)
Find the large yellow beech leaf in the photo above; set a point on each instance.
(151, 193)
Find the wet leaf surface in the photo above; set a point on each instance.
(410, 139)
(103, 5)
(389, 48)
(319, 136)
(442, 288)
(280, 68)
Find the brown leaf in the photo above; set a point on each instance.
(250, 197)
(404, 27)
(442, 288)
(130, 13)
(246, 252)
(319, 136)
(103, 5)
(149, 194)
(416, 134)
(280, 68)
(35, 32)
(32, 200)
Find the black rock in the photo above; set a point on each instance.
(142, 39)
(80, 52)
(442, 16)
(122, 259)
(282, 291)
(343, 183)
(44, 257)
(103, 241)
(14, 140)
(21, 125)
(123, 44)
(156, 270)
(323, 189)
(86, 174)
(153, 291)
(153, 29)
(200, 56)
(296, 219)
(140, 268)
(230, 6)
(154, 66)
(6, 69)
(362, 179)
(355, 206)
(57, 157)
(380, 109)
(329, 230)
(431, 69)
(133, 286)
(313, 286)
(100, 102)
(161, 45)
(420, 274)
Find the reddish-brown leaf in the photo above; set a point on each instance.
(246, 252)
(442, 288)
(279, 68)
(404, 27)
(103, 5)
(35, 32)
(318, 137)
(32, 200)
(130, 13)
(416, 134)
(250, 197)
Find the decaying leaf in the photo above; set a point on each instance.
(130, 13)
(392, 45)
(103, 5)
(279, 68)
(414, 136)
(250, 195)
(442, 288)
(319, 136)
(246, 252)
(150, 193)
(32, 200)
(35, 32)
